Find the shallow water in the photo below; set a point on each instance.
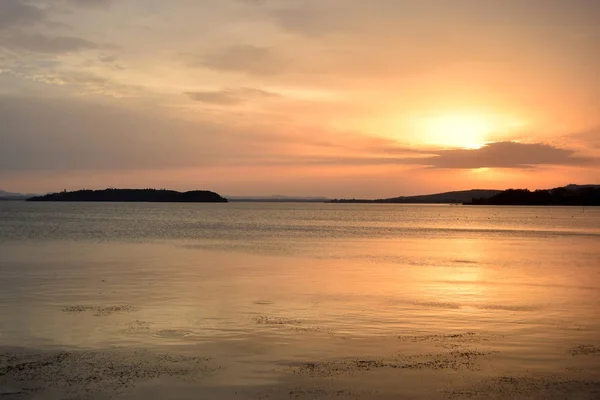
(258, 300)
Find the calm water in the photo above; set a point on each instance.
(272, 291)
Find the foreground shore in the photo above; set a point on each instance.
(456, 366)
(289, 358)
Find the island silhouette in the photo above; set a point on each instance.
(134, 195)
(570, 195)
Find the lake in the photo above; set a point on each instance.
(298, 300)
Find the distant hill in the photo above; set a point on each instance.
(457, 197)
(571, 195)
(13, 196)
(134, 195)
(573, 186)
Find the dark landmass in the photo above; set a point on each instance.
(567, 195)
(134, 195)
(458, 197)
(276, 199)
(571, 195)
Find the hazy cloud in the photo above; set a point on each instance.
(506, 155)
(16, 13)
(90, 3)
(494, 155)
(72, 135)
(243, 58)
(87, 83)
(40, 43)
(318, 18)
(315, 18)
(18, 32)
(80, 135)
(107, 58)
(231, 96)
(590, 138)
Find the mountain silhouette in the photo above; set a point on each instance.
(456, 197)
(4, 195)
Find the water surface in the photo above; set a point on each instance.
(266, 300)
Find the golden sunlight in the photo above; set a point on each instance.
(457, 130)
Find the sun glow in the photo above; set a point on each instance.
(457, 130)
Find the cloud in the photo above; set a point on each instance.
(249, 59)
(19, 13)
(18, 34)
(40, 43)
(231, 96)
(506, 155)
(77, 135)
(107, 58)
(494, 155)
(89, 3)
(589, 138)
(86, 83)
(16, 13)
(68, 135)
(316, 18)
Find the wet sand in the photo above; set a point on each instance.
(458, 365)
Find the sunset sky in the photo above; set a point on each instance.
(337, 98)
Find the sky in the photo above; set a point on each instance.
(336, 98)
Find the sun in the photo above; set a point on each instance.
(457, 130)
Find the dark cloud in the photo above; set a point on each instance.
(231, 96)
(89, 3)
(40, 43)
(506, 155)
(16, 13)
(243, 58)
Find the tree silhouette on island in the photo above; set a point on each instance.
(571, 195)
(134, 195)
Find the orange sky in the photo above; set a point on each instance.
(339, 98)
